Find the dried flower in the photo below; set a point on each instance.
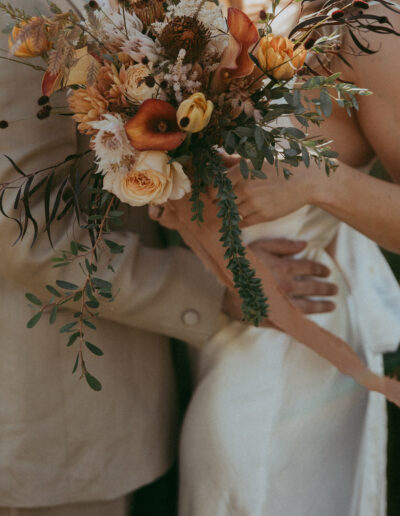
(140, 47)
(111, 142)
(135, 85)
(88, 106)
(29, 39)
(187, 33)
(148, 11)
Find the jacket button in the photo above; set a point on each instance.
(190, 317)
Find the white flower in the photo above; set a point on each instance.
(140, 46)
(151, 180)
(111, 143)
(116, 28)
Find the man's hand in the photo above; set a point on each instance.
(296, 277)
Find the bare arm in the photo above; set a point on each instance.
(370, 205)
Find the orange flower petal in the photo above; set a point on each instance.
(154, 127)
(50, 83)
(235, 62)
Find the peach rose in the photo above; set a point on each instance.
(278, 57)
(134, 83)
(152, 180)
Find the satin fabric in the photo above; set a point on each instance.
(272, 428)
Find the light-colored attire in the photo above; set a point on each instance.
(61, 442)
(273, 429)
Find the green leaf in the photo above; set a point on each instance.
(76, 364)
(67, 327)
(94, 349)
(306, 156)
(101, 284)
(53, 291)
(78, 295)
(73, 338)
(259, 174)
(244, 169)
(74, 248)
(325, 103)
(53, 314)
(114, 247)
(35, 319)
(93, 382)
(66, 285)
(116, 213)
(89, 324)
(33, 299)
(259, 138)
(93, 303)
(287, 173)
(296, 133)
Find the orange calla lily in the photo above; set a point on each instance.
(235, 62)
(154, 127)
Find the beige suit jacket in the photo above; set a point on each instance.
(61, 442)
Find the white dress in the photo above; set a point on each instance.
(275, 430)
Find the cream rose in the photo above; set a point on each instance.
(152, 180)
(134, 85)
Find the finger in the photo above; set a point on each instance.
(155, 212)
(307, 306)
(313, 288)
(282, 247)
(251, 220)
(303, 267)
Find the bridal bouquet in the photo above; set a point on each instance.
(161, 88)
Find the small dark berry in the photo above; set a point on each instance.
(163, 85)
(263, 15)
(3, 124)
(149, 81)
(362, 4)
(184, 122)
(309, 43)
(44, 112)
(43, 100)
(145, 60)
(93, 5)
(337, 14)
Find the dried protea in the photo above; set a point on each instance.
(88, 105)
(185, 32)
(148, 11)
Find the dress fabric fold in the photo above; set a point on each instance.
(273, 428)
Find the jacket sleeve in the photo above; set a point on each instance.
(164, 291)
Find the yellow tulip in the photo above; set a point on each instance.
(29, 39)
(194, 113)
(278, 57)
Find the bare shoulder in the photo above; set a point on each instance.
(379, 114)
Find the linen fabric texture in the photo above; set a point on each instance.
(61, 442)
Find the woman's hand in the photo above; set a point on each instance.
(262, 200)
(298, 278)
